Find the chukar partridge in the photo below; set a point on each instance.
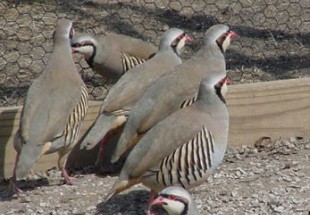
(176, 89)
(131, 86)
(54, 108)
(114, 54)
(184, 148)
(175, 201)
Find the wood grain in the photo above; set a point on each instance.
(267, 109)
(273, 109)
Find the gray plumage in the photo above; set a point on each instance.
(113, 54)
(176, 89)
(54, 108)
(184, 148)
(132, 85)
(175, 201)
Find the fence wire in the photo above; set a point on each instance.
(274, 40)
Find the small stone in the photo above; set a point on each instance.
(75, 211)
(234, 193)
(287, 178)
(40, 210)
(54, 212)
(91, 208)
(278, 209)
(44, 204)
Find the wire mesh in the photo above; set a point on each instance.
(274, 40)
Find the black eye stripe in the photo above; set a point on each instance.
(171, 197)
(84, 43)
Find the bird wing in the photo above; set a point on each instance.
(167, 96)
(47, 108)
(133, 84)
(164, 138)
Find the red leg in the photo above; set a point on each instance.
(15, 165)
(63, 156)
(13, 182)
(69, 180)
(151, 197)
(102, 144)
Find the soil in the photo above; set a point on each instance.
(271, 178)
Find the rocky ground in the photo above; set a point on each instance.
(271, 178)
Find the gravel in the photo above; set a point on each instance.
(272, 177)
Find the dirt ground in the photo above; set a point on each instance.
(271, 178)
(273, 38)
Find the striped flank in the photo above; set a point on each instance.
(188, 163)
(188, 102)
(75, 119)
(130, 61)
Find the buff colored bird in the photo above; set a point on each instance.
(176, 89)
(54, 108)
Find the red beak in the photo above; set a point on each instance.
(188, 39)
(73, 50)
(232, 34)
(228, 81)
(157, 201)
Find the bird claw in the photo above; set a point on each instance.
(10, 190)
(68, 180)
(15, 189)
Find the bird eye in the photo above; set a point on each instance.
(172, 197)
(71, 33)
(181, 36)
(75, 45)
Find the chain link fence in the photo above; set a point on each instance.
(274, 40)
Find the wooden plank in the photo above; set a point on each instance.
(9, 122)
(273, 109)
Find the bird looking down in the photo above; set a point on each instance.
(184, 148)
(113, 54)
(176, 89)
(131, 87)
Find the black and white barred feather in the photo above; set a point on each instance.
(189, 163)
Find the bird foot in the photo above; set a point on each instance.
(68, 180)
(15, 189)
(9, 190)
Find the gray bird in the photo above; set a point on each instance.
(175, 201)
(184, 148)
(54, 108)
(131, 87)
(113, 54)
(176, 89)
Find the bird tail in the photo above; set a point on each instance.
(29, 154)
(124, 146)
(98, 130)
(120, 186)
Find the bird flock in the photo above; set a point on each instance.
(170, 114)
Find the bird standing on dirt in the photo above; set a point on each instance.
(185, 147)
(131, 87)
(54, 108)
(176, 89)
(175, 201)
(114, 54)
